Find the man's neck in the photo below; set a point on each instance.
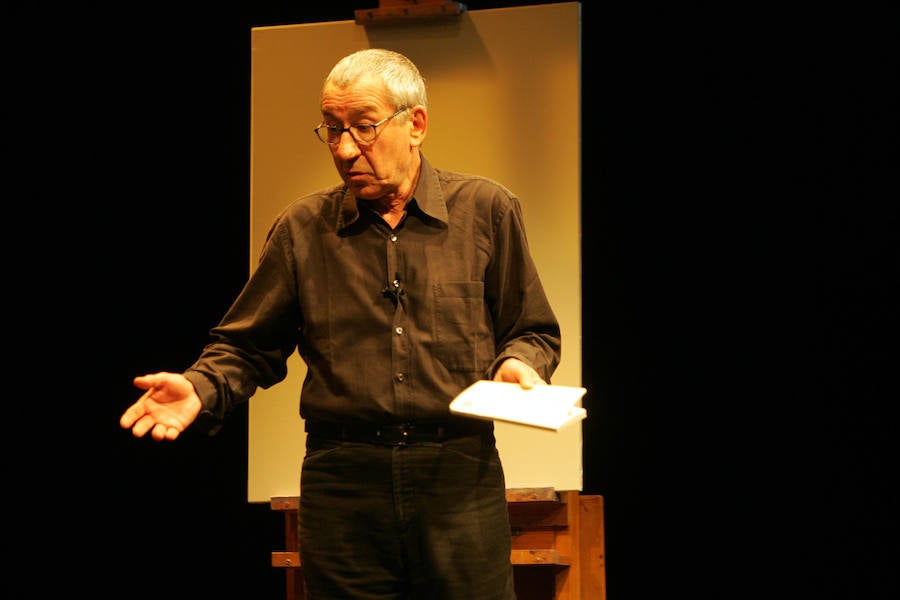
(392, 207)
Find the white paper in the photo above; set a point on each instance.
(543, 406)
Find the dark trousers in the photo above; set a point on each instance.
(423, 521)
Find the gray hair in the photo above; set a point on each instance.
(405, 85)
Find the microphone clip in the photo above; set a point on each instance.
(394, 290)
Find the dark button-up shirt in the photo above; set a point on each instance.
(391, 323)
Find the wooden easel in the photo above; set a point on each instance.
(401, 11)
(557, 545)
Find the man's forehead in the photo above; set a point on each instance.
(368, 89)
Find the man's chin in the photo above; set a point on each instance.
(364, 192)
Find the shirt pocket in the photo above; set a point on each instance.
(463, 339)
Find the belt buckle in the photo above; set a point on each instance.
(394, 435)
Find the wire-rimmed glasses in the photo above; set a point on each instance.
(362, 134)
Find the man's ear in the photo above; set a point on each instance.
(418, 124)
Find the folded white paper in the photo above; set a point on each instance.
(543, 406)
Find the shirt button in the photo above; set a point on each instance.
(400, 377)
(398, 330)
(393, 237)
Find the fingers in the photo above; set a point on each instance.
(142, 425)
(514, 370)
(528, 383)
(162, 432)
(136, 417)
(159, 432)
(130, 416)
(140, 418)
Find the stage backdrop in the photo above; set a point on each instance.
(504, 102)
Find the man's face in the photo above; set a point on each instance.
(377, 168)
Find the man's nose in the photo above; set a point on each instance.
(346, 146)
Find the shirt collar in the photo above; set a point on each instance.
(429, 194)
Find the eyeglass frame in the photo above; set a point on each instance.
(350, 129)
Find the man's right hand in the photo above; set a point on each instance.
(168, 406)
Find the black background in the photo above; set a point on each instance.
(739, 258)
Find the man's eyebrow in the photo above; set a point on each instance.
(359, 113)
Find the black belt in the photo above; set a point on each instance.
(396, 434)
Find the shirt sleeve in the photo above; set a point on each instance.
(250, 346)
(525, 325)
